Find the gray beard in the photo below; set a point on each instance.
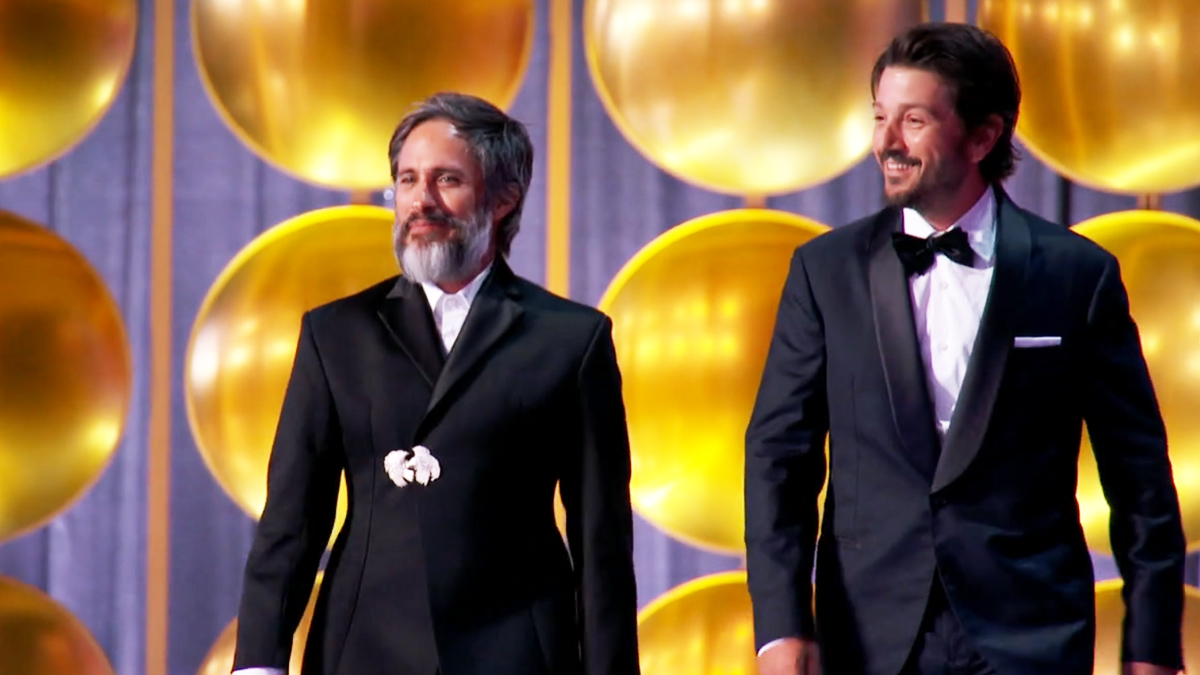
(447, 261)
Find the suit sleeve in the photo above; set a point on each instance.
(595, 494)
(785, 466)
(1129, 440)
(302, 487)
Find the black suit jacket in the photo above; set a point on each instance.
(469, 573)
(993, 512)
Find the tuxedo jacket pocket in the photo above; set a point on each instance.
(1035, 342)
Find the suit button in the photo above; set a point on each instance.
(938, 502)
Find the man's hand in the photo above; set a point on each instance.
(796, 656)
(1133, 669)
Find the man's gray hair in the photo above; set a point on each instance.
(500, 143)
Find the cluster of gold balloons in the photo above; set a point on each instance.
(1109, 94)
(692, 314)
(244, 337)
(316, 87)
(63, 64)
(703, 626)
(38, 636)
(65, 375)
(65, 367)
(1160, 265)
(742, 96)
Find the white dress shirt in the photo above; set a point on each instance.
(449, 313)
(450, 309)
(947, 303)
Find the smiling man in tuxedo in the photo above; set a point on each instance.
(454, 397)
(951, 347)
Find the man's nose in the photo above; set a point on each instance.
(424, 198)
(890, 137)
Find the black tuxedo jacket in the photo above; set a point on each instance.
(992, 512)
(467, 574)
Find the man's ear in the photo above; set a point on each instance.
(983, 138)
(505, 203)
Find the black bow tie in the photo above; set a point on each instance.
(916, 254)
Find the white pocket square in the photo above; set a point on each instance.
(1042, 341)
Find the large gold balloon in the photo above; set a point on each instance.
(703, 626)
(1109, 95)
(65, 375)
(61, 66)
(692, 314)
(244, 339)
(38, 636)
(316, 87)
(219, 660)
(749, 96)
(1160, 265)
(1110, 613)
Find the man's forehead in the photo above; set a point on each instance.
(432, 132)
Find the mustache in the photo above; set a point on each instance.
(432, 217)
(899, 157)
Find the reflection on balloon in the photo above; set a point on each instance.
(1110, 614)
(244, 339)
(63, 64)
(1160, 265)
(1108, 92)
(219, 660)
(38, 636)
(65, 375)
(703, 626)
(692, 317)
(759, 97)
(316, 87)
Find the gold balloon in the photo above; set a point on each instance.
(61, 66)
(65, 375)
(316, 87)
(702, 626)
(244, 339)
(1160, 263)
(1109, 98)
(38, 636)
(742, 96)
(1110, 613)
(692, 314)
(219, 660)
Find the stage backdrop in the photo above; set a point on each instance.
(92, 557)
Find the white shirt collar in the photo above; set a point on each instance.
(979, 223)
(468, 292)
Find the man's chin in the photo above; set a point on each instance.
(901, 198)
(420, 241)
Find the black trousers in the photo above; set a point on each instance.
(943, 647)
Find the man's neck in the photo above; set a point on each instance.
(943, 216)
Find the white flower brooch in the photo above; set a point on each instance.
(422, 467)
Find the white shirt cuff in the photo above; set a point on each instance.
(765, 647)
(260, 671)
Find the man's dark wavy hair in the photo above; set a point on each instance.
(979, 70)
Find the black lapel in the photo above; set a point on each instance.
(405, 311)
(985, 369)
(493, 312)
(896, 334)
